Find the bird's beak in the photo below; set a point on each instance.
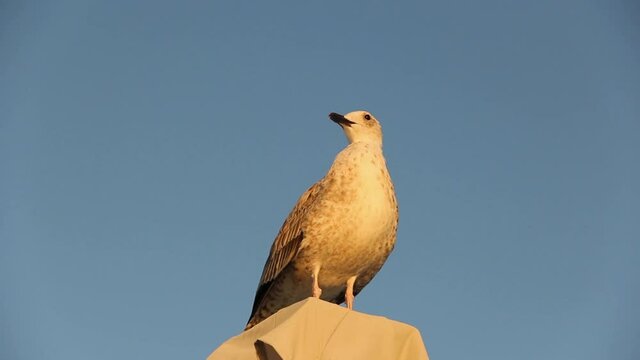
(340, 119)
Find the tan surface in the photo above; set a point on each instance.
(314, 329)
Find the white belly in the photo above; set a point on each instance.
(360, 239)
(353, 228)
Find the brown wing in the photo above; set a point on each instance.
(286, 244)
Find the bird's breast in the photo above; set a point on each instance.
(352, 228)
(372, 214)
(363, 202)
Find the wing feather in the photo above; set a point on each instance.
(286, 244)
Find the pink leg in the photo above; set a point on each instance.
(348, 295)
(316, 288)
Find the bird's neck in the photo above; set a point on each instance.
(360, 158)
(360, 173)
(366, 146)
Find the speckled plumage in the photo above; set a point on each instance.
(342, 228)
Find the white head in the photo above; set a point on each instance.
(359, 126)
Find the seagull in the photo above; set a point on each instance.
(341, 230)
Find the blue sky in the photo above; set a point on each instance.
(150, 150)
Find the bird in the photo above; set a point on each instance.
(341, 230)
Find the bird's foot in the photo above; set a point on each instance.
(317, 291)
(349, 300)
(348, 295)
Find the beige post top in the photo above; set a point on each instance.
(314, 329)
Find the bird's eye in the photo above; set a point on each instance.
(367, 117)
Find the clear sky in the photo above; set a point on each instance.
(150, 151)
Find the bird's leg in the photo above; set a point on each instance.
(316, 288)
(348, 295)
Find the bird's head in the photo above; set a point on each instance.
(359, 126)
